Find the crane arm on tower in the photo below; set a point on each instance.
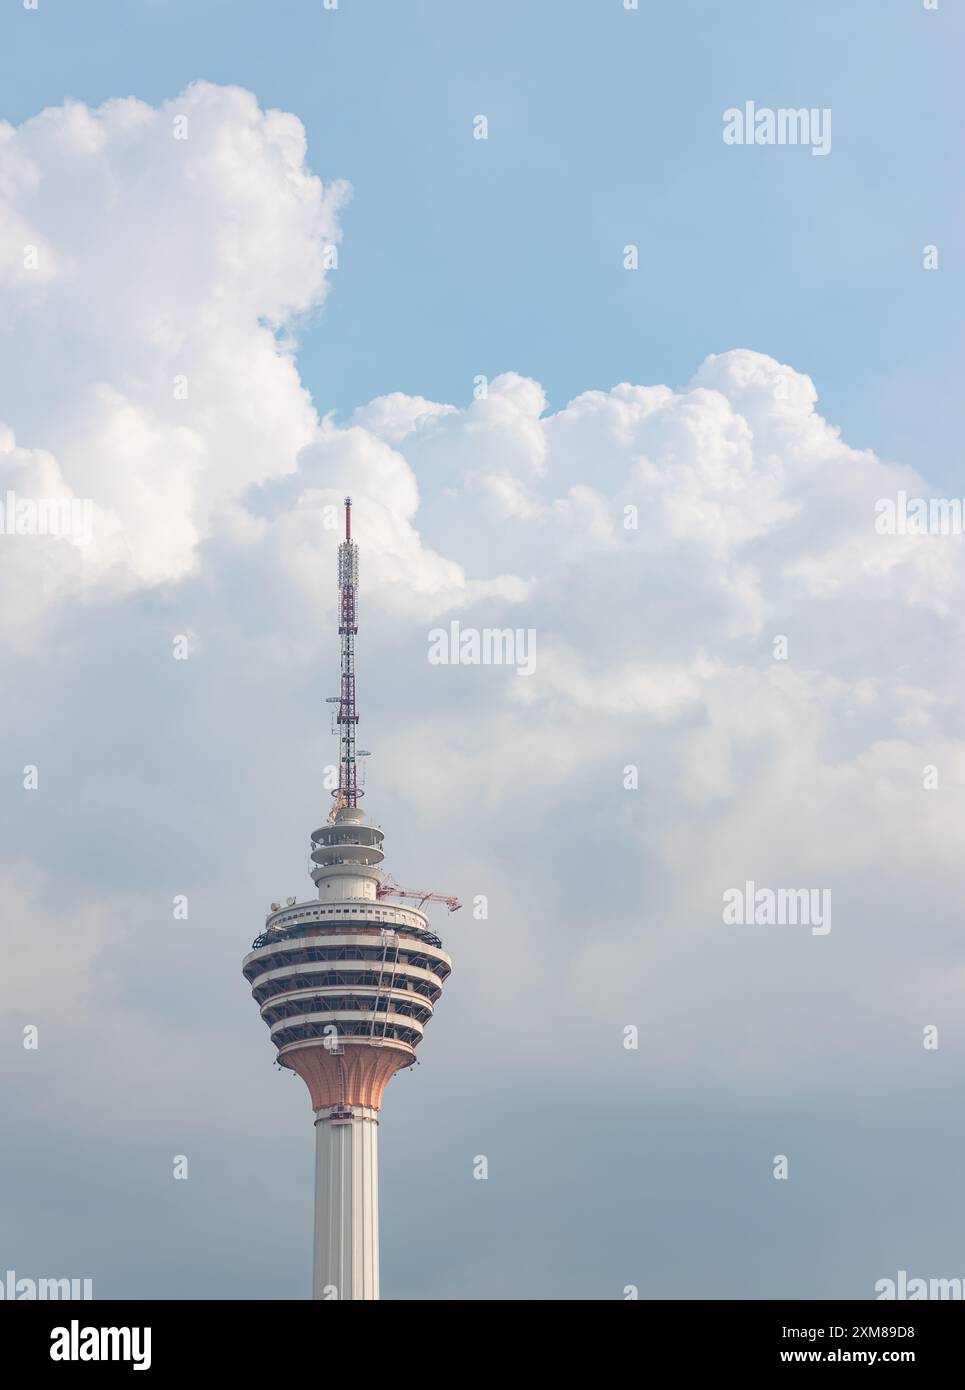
(390, 889)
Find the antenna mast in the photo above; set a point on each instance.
(348, 792)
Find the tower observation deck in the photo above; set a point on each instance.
(346, 983)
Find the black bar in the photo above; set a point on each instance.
(264, 1338)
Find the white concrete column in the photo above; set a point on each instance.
(346, 1203)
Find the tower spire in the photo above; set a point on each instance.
(348, 792)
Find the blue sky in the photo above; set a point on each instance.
(158, 777)
(465, 257)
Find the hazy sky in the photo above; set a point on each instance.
(671, 469)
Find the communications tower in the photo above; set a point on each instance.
(346, 983)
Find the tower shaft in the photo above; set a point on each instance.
(346, 1203)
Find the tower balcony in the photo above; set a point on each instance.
(345, 972)
(348, 830)
(371, 1000)
(369, 855)
(345, 914)
(330, 1027)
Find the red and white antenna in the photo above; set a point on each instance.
(348, 791)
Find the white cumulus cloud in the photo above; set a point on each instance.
(655, 540)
